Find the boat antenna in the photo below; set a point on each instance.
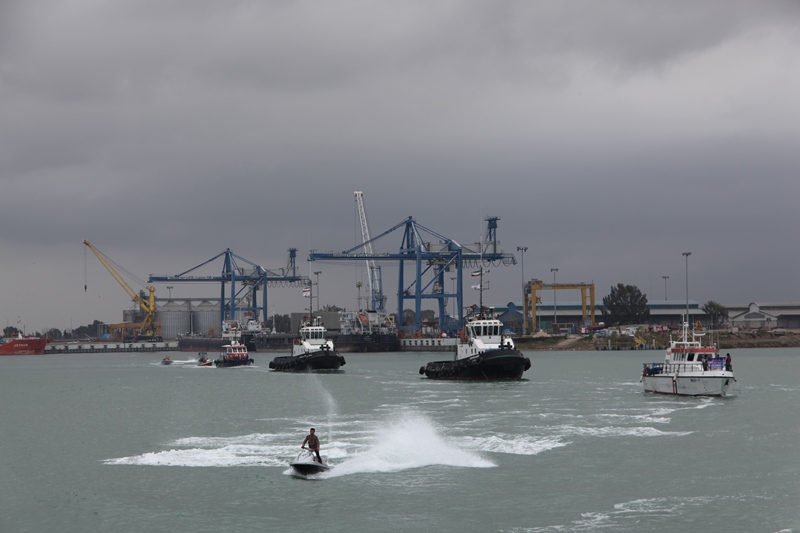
(480, 285)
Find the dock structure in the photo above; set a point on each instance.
(110, 347)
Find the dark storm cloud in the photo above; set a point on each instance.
(608, 136)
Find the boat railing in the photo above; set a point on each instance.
(652, 369)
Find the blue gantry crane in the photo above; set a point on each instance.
(251, 279)
(432, 255)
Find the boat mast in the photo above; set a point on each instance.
(480, 283)
(311, 303)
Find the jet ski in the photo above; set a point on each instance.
(306, 463)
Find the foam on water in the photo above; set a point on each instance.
(410, 442)
(513, 444)
(626, 516)
(224, 456)
(613, 431)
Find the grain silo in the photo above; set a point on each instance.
(175, 318)
(205, 319)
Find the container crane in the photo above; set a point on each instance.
(148, 329)
(431, 255)
(377, 299)
(250, 278)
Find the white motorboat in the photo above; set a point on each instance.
(306, 463)
(689, 369)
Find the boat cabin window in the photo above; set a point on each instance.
(484, 330)
(690, 357)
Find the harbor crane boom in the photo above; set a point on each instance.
(148, 328)
(377, 299)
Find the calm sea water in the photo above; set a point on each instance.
(117, 442)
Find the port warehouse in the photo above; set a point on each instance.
(200, 317)
(668, 312)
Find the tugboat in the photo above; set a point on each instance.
(689, 369)
(312, 351)
(482, 351)
(235, 354)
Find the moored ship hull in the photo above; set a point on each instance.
(210, 344)
(367, 342)
(23, 346)
(489, 365)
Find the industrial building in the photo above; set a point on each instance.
(569, 315)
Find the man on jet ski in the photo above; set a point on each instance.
(313, 444)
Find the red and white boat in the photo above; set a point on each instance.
(23, 346)
(235, 354)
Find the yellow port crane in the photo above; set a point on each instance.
(148, 329)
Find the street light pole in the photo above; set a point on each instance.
(455, 299)
(665, 287)
(555, 305)
(317, 273)
(522, 250)
(686, 255)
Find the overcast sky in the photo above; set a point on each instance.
(608, 136)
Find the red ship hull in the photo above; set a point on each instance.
(24, 346)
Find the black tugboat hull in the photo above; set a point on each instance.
(321, 360)
(490, 365)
